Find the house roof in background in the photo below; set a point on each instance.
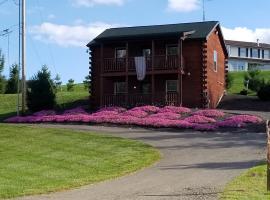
(247, 44)
(202, 30)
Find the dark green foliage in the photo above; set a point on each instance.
(253, 80)
(12, 83)
(86, 82)
(70, 85)
(2, 78)
(264, 93)
(230, 81)
(41, 91)
(244, 92)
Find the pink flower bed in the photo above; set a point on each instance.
(209, 113)
(148, 116)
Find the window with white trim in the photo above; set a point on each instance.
(215, 61)
(120, 53)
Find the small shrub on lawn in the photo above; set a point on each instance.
(264, 93)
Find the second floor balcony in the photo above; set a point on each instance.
(159, 62)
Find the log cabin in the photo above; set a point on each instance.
(176, 64)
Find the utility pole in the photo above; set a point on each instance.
(203, 10)
(19, 64)
(23, 58)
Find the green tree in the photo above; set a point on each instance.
(86, 82)
(2, 77)
(70, 85)
(230, 81)
(41, 91)
(57, 82)
(253, 80)
(12, 82)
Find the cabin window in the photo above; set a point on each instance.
(172, 50)
(146, 88)
(171, 86)
(146, 52)
(120, 53)
(215, 61)
(119, 87)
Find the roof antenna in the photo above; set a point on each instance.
(258, 43)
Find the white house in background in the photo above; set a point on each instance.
(244, 56)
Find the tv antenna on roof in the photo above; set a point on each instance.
(204, 9)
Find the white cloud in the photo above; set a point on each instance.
(64, 35)
(245, 34)
(90, 3)
(183, 5)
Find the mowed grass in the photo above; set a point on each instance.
(251, 185)
(64, 99)
(238, 81)
(41, 160)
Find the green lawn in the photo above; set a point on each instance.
(238, 81)
(251, 185)
(41, 160)
(64, 100)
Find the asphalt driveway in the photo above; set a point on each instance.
(195, 165)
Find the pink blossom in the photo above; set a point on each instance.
(114, 108)
(148, 109)
(199, 119)
(75, 111)
(209, 113)
(166, 115)
(135, 113)
(230, 123)
(246, 118)
(175, 109)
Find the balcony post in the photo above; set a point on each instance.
(180, 69)
(101, 73)
(153, 76)
(127, 65)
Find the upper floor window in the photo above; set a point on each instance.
(255, 53)
(266, 54)
(120, 53)
(146, 52)
(215, 60)
(119, 87)
(172, 50)
(242, 52)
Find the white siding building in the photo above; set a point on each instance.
(245, 56)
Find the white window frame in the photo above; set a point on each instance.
(120, 48)
(215, 59)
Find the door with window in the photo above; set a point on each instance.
(171, 92)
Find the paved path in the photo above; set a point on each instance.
(195, 165)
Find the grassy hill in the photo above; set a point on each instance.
(238, 81)
(64, 100)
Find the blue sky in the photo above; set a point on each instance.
(57, 31)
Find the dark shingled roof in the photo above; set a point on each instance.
(202, 30)
(246, 44)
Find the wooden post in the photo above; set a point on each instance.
(180, 69)
(268, 154)
(101, 74)
(153, 66)
(127, 65)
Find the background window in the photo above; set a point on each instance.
(119, 87)
(255, 53)
(172, 50)
(171, 86)
(146, 52)
(120, 53)
(242, 52)
(266, 54)
(215, 61)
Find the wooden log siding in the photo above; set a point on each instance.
(204, 95)
(268, 154)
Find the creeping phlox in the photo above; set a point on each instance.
(148, 116)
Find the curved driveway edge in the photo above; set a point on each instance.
(195, 165)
